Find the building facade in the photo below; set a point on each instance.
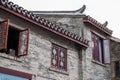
(63, 45)
(115, 58)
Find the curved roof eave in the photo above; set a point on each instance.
(29, 16)
(95, 23)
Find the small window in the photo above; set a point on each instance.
(101, 51)
(117, 69)
(59, 57)
(97, 48)
(13, 41)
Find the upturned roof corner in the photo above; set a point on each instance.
(82, 9)
(41, 22)
(98, 25)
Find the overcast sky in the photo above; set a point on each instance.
(101, 10)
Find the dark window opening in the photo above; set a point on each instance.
(13, 41)
(117, 69)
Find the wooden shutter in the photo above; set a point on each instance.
(23, 42)
(93, 47)
(3, 34)
(106, 49)
(63, 59)
(54, 60)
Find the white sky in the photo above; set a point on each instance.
(101, 10)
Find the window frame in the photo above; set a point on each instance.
(59, 48)
(15, 73)
(117, 70)
(97, 54)
(4, 38)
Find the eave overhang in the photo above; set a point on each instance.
(96, 24)
(37, 20)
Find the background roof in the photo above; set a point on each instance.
(101, 10)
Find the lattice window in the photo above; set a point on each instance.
(59, 57)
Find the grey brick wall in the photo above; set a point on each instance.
(91, 70)
(38, 62)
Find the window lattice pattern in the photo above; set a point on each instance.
(59, 57)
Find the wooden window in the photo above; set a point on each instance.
(8, 74)
(59, 57)
(106, 45)
(13, 41)
(3, 34)
(117, 69)
(23, 42)
(101, 51)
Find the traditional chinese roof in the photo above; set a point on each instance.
(74, 13)
(41, 22)
(95, 23)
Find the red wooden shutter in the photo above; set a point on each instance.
(54, 60)
(106, 51)
(63, 59)
(3, 34)
(23, 42)
(93, 46)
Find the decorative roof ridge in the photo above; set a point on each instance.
(80, 11)
(98, 24)
(21, 12)
(74, 13)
